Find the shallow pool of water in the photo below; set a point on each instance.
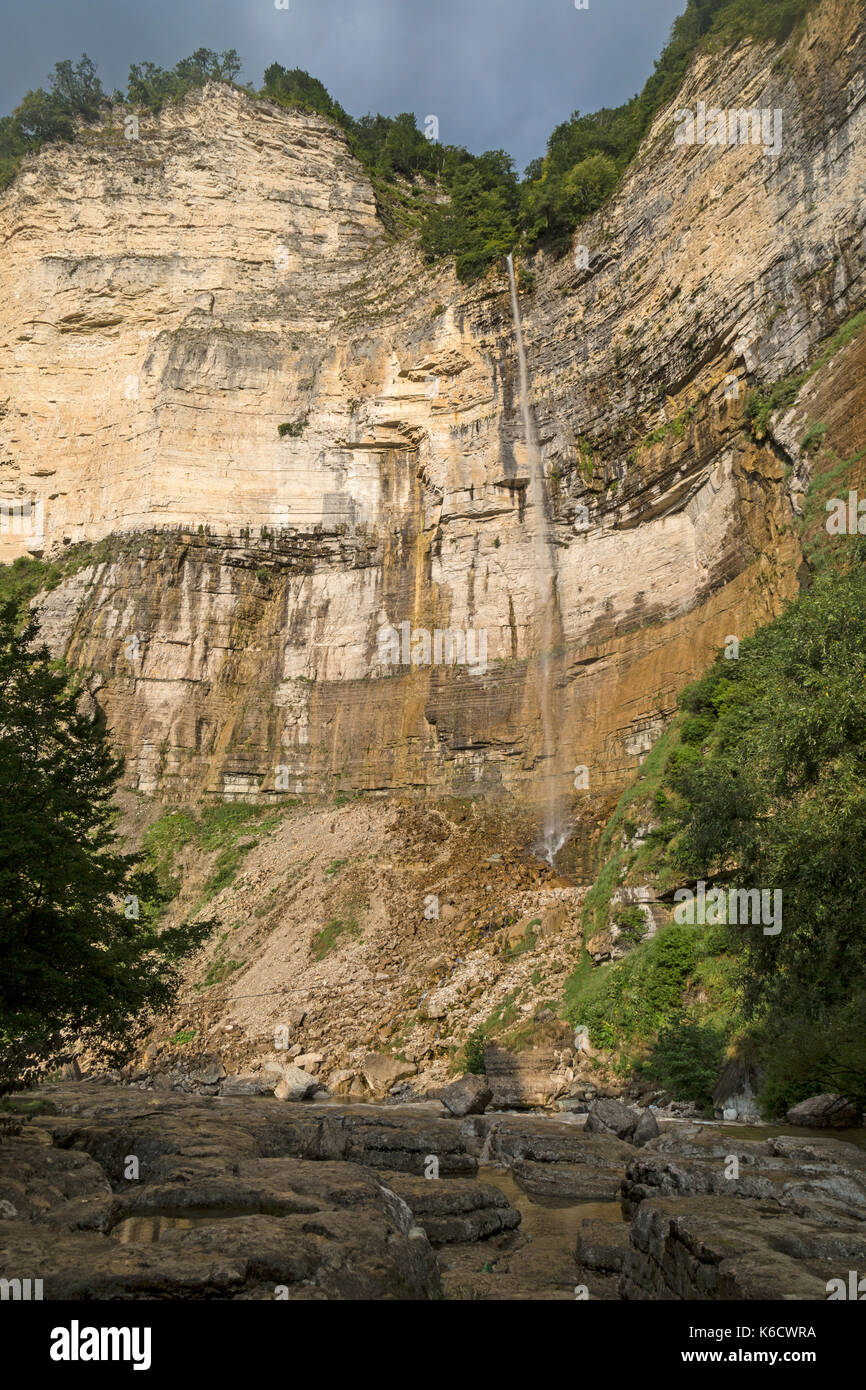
(545, 1219)
(758, 1132)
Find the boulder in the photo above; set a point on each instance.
(260, 1085)
(436, 1006)
(824, 1112)
(601, 946)
(208, 1071)
(469, 1096)
(296, 1085)
(309, 1061)
(645, 1129)
(381, 1072)
(612, 1117)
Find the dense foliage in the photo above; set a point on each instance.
(774, 796)
(74, 93)
(686, 1059)
(151, 86)
(81, 953)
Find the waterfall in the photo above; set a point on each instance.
(553, 833)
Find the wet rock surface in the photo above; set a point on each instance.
(729, 1248)
(114, 1193)
(457, 1210)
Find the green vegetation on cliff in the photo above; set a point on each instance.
(761, 784)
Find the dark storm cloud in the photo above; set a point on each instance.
(499, 74)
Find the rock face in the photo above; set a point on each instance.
(781, 1221)
(689, 1248)
(822, 1179)
(169, 303)
(533, 1077)
(551, 1158)
(456, 1210)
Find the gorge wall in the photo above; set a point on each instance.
(169, 302)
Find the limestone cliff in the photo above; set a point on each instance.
(169, 302)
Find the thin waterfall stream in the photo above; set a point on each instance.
(554, 833)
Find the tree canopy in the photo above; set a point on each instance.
(81, 949)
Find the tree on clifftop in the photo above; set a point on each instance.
(81, 953)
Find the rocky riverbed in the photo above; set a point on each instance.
(107, 1192)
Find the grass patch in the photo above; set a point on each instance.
(217, 829)
(220, 971)
(625, 1003)
(25, 1106)
(330, 937)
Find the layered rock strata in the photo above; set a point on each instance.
(305, 435)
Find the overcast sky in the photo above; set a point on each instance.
(499, 74)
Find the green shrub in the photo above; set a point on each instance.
(625, 1003)
(329, 938)
(473, 1052)
(686, 1060)
(292, 429)
(632, 923)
